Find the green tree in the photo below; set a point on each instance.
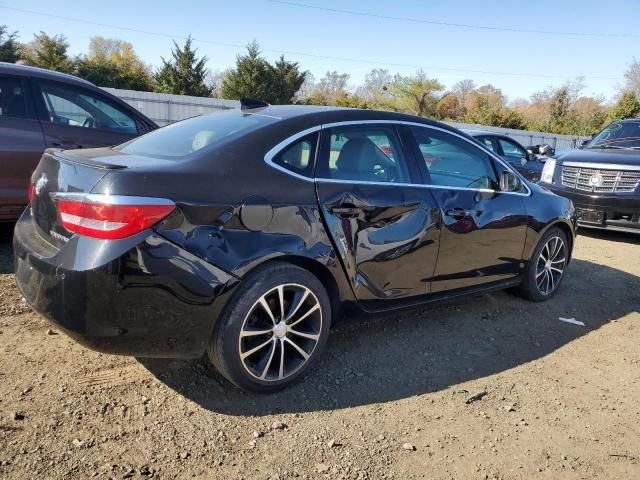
(113, 63)
(184, 73)
(331, 88)
(250, 78)
(255, 77)
(48, 52)
(9, 46)
(417, 94)
(627, 107)
(286, 80)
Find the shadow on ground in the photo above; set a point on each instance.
(6, 250)
(425, 350)
(611, 235)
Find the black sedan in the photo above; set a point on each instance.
(602, 178)
(244, 233)
(528, 164)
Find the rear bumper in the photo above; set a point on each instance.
(146, 297)
(611, 212)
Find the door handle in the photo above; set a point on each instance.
(345, 210)
(459, 213)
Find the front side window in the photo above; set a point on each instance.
(77, 108)
(12, 101)
(366, 154)
(511, 150)
(454, 162)
(298, 156)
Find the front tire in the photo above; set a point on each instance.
(546, 267)
(274, 329)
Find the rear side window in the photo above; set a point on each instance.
(12, 101)
(298, 156)
(77, 108)
(364, 153)
(196, 134)
(454, 162)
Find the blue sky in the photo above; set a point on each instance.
(445, 52)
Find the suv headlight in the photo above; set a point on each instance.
(547, 170)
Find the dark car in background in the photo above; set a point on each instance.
(526, 162)
(243, 233)
(41, 109)
(602, 178)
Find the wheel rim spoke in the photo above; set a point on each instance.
(281, 369)
(550, 265)
(255, 349)
(289, 319)
(254, 333)
(305, 315)
(281, 301)
(297, 306)
(312, 336)
(267, 308)
(268, 363)
(304, 354)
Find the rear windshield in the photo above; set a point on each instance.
(183, 138)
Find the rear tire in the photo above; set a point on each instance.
(547, 266)
(273, 329)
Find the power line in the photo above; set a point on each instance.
(452, 24)
(310, 55)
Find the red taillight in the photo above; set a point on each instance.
(110, 216)
(30, 194)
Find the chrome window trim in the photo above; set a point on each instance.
(271, 154)
(601, 166)
(276, 149)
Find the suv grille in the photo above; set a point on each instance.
(600, 180)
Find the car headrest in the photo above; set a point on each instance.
(358, 155)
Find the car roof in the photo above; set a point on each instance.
(314, 114)
(482, 133)
(29, 71)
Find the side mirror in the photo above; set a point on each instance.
(509, 182)
(583, 143)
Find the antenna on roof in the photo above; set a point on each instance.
(249, 103)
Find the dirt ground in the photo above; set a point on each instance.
(391, 397)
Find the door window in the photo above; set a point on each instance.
(511, 150)
(12, 101)
(452, 161)
(77, 108)
(366, 154)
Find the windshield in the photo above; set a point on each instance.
(183, 138)
(625, 135)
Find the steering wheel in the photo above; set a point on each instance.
(88, 122)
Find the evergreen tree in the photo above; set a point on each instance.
(9, 46)
(286, 80)
(48, 52)
(184, 74)
(250, 79)
(254, 77)
(627, 107)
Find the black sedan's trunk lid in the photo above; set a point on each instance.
(62, 172)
